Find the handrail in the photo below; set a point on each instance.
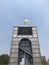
(25, 51)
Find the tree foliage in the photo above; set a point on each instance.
(4, 59)
(45, 62)
(48, 61)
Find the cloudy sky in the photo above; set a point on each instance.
(13, 13)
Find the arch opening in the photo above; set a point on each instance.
(25, 52)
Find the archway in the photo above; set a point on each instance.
(25, 52)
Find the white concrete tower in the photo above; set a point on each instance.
(25, 49)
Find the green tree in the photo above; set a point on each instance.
(4, 59)
(48, 61)
(44, 62)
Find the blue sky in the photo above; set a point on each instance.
(13, 13)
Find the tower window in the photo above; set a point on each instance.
(25, 31)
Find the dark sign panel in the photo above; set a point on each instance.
(25, 31)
